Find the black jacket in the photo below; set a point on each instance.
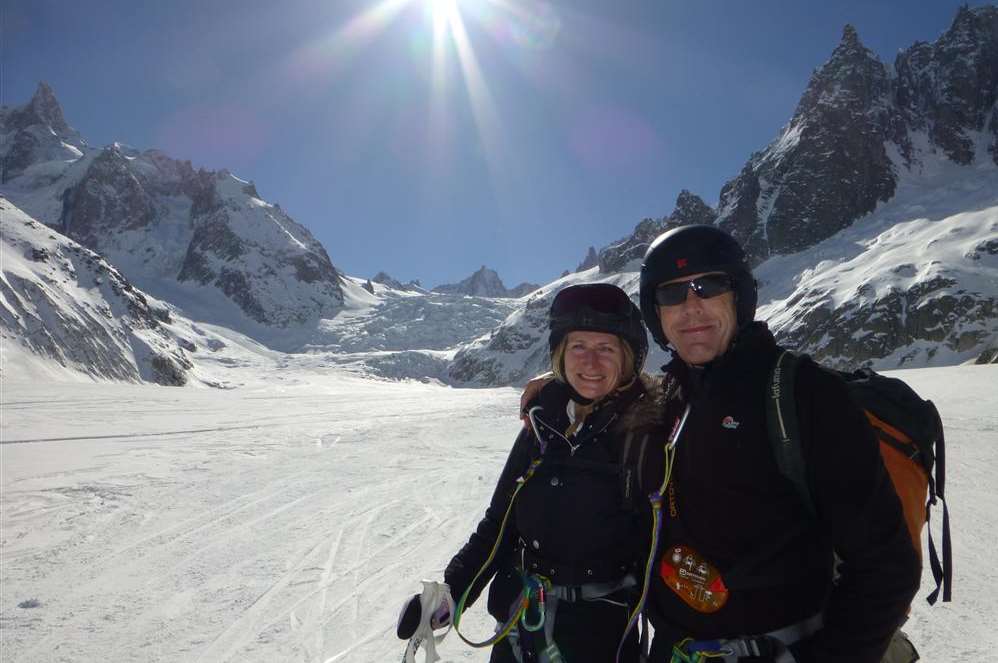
(730, 503)
(571, 521)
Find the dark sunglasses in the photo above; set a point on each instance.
(599, 297)
(704, 287)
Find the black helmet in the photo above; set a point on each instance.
(693, 250)
(600, 307)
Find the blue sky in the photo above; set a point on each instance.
(426, 138)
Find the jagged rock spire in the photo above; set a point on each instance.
(45, 109)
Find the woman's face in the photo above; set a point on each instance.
(594, 363)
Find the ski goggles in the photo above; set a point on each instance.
(704, 287)
(602, 298)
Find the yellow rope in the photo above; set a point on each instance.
(656, 510)
(524, 598)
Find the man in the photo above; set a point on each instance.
(745, 572)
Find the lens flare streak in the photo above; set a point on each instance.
(482, 104)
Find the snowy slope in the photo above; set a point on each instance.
(915, 283)
(69, 315)
(288, 520)
(61, 301)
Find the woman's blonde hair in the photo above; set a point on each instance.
(558, 360)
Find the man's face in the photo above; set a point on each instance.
(699, 329)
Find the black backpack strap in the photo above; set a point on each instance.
(784, 431)
(942, 572)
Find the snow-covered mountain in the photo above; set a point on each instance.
(395, 284)
(208, 244)
(913, 284)
(66, 303)
(860, 127)
(175, 231)
(485, 283)
(872, 218)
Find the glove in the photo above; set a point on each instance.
(412, 614)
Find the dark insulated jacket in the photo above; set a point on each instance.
(570, 523)
(730, 503)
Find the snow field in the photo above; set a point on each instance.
(287, 520)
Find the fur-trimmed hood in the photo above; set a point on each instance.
(648, 412)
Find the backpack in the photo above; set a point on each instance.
(910, 433)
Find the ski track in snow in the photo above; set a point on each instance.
(290, 523)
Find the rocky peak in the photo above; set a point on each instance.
(34, 132)
(385, 279)
(483, 283)
(948, 88)
(828, 167)
(853, 76)
(590, 261)
(617, 256)
(691, 210)
(850, 39)
(43, 109)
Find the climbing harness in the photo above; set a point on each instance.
(547, 607)
(522, 601)
(534, 609)
(656, 507)
(434, 593)
(769, 646)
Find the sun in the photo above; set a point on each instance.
(444, 14)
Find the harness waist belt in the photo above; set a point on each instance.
(592, 590)
(569, 574)
(760, 646)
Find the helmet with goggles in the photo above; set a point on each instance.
(599, 307)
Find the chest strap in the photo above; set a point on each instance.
(573, 574)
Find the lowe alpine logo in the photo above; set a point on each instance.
(730, 423)
(681, 263)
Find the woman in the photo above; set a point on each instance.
(569, 557)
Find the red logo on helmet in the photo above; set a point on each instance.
(681, 263)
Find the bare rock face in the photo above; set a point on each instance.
(948, 88)
(830, 165)
(927, 319)
(590, 261)
(617, 256)
(109, 199)
(690, 210)
(259, 258)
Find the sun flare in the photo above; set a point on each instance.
(442, 10)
